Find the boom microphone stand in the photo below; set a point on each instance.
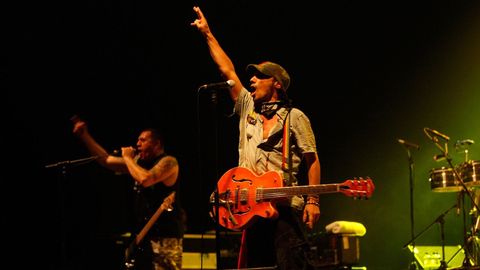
(440, 219)
(408, 146)
(467, 261)
(62, 166)
(434, 135)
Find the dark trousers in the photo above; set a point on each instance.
(279, 243)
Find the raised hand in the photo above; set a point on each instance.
(79, 126)
(201, 21)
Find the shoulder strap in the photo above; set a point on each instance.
(286, 151)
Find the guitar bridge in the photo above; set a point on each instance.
(223, 199)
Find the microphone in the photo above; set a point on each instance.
(408, 144)
(439, 157)
(464, 142)
(433, 131)
(220, 85)
(118, 152)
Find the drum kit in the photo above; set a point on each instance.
(465, 179)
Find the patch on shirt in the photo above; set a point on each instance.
(251, 118)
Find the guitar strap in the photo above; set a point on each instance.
(286, 150)
(287, 176)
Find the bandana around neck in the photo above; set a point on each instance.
(269, 109)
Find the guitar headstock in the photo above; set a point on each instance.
(168, 201)
(358, 188)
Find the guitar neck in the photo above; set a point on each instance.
(149, 225)
(166, 204)
(282, 192)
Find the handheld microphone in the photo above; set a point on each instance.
(430, 131)
(409, 144)
(118, 152)
(220, 85)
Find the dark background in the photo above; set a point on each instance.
(366, 73)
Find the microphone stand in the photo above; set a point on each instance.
(440, 219)
(413, 265)
(214, 100)
(62, 165)
(213, 110)
(444, 151)
(467, 261)
(457, 175)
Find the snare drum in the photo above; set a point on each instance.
(470, 173)
(444, 180)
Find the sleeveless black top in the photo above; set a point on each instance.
(148, 199)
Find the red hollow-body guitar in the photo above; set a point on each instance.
(244, 195)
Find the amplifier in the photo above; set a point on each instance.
(430, 257)
(335, 250)
(200, 250)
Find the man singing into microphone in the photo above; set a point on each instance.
(156, 176)
(273, 137)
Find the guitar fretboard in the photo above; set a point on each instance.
(271, 193)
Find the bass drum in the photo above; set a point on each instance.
(444, 180)
(470, 173)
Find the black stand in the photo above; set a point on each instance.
(433, 135)
(413, 264)
(466, 261)
(214, 99)
(440, 219)
(445, 155)
(212, 96)
(62, 166)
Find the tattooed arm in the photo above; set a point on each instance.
(166, 171)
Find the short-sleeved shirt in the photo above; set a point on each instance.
(262, 155)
